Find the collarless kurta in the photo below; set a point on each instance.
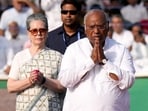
(96, 91)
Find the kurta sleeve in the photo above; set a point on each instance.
(74, 67)
(125, 71)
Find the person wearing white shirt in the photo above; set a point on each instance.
(15, 38)
(51, 9)
(120, 34)
(134, 12)
(139, 50)
(6, 54)
(19, 12)
(97, 71)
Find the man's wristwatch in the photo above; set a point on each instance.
(104, 61)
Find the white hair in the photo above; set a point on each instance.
(91, 12)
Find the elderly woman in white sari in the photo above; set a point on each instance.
(34, 71)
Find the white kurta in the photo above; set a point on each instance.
(12, 14)
(96, 91)
(6, 53)
(139, 53)
(53, 14)
(135, 13)
(125, 38)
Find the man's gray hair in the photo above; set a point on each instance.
(36, 16)
(92, 11)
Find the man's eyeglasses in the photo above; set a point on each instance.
(101, 27)
(71, 12)
(36, 31)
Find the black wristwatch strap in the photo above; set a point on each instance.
(43, 81)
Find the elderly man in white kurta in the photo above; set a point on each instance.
(97, 71)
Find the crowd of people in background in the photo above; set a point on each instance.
(128, 26)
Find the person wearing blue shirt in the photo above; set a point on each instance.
(71, 29)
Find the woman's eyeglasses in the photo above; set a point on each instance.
(71, 12)
(36, 31)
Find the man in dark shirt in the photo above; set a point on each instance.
(70, 31)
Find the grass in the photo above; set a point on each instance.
(3, 84)
(139, 95)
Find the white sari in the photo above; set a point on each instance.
(48, 62)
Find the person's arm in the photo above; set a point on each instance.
(124, 72)
(18, 85)
(7, 69)
(50, 83)
(13, 83)
(2, 32)
(35, 78)
(54, 85)
(32, 5)
(74, 67)
(98, 57)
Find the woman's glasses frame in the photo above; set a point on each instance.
(36, 31)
